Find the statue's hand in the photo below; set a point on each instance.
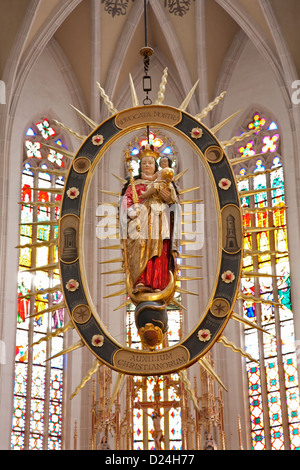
(166, 195)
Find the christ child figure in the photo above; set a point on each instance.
(162, 179)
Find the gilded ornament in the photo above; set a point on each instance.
(204, 335)
(196, 133)
(228, 277)
(81, 165)
(224, 183)
(72, 285)
(220, 308)
(98, 341)
(73, 193)
(81, 314)
(97, 139)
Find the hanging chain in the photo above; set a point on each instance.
(146, 52)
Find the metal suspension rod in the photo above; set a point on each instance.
(146, 23)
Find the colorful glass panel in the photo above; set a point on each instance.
(45, 129)
(247, 150)
(267, 212)
(38, 384)
(269, 143)
(153, 390)
(257, 122)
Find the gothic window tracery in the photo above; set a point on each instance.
(38, 389)
(274, 406)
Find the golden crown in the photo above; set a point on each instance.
(148, 150)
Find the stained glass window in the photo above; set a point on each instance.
(274, 404)
(149, 391)
(38, 397)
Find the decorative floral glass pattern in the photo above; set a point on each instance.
(266, 252)
(38, 397)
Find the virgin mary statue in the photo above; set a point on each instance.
(148, 218)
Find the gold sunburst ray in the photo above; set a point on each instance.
(219, 126)
(187, 242)
(188, 386)
(41, 292)
(184, 291)
(55, 333)
(119, 380)
(106, 99)
(110, 247)
(253, 175)
(236, 161)
(239, 318)
(258, 300)
(50, 171)
(110, 193)
(88, 120)
(258, 274)
(73, 347)
(229, 344)
(210, 106)
(70, 131)
(182, 266)
(183, 191)
(50, 309)
(189, 222)
(113, 204)
(45, 267)
(41, 222)
(177, 177)
(114, 260)
(109, 217)
(238, 138)
(254, 210)
(49, 190)
(116, 283)
(188, 98)
(39, 244)
(116, 226)
(266, 252)
(259, 229)
(191, 201)
(122, 180)
(185, 214)
(181, 255)
(253, 192)
(187, 278)
(40, 204)
(123, 304)
(177, 303)
(115, 271)
(191, 233)
(134, 98)
(57, 149)
(115, 235)
(86, 378)
(162, 87)
(207, 366)
(115, 294)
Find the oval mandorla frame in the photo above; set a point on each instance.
(222, 297)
